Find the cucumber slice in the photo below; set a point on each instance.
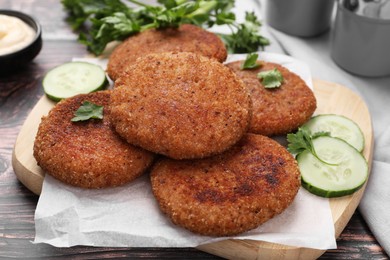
(325, 180)
(72, 78)
(338, 126)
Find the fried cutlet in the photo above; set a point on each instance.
(186, 38)
(181, 105)
(279, 110)
(88, 154)
(229, 193)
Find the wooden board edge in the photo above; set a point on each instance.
(350, 203)
(33, 182)
(250, 249)
(20, 152)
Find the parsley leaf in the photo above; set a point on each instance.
(247, 37)
(82, 11)
(116, 27)
(271, 78)
(100, 22)
(250, 62)
(88, 111)
(303, 140)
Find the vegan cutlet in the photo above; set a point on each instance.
(181, 105)
(186, 38)
(230, 193)
(279, 110)
(88, 154)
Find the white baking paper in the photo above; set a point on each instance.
(128, 216)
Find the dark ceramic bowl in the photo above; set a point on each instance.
(21, 57)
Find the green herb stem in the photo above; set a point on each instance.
(138, 3)
(303, 140)
(204, 8)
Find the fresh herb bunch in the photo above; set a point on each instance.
(105, 21)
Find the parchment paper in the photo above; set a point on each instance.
(128, 216)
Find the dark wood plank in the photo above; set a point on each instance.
(356, 242)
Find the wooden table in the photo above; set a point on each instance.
(20, 91)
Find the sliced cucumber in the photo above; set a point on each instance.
(72, 78)
(348, 172)
(338, 126)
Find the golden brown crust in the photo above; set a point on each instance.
(280, 110)
(86, 154)
(229, 193)
(181, 105)
(187, 38)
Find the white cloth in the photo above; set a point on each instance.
(375, 205)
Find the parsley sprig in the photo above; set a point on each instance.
(100, 22)
(246, 37)
(302, 140)
(88, 111)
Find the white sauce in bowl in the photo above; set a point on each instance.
(14, 34)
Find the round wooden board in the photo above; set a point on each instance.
(331, 98)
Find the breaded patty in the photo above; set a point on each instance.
(181, 105)
(88, 154)
(279, 110)
(229, 193)
(186, 38)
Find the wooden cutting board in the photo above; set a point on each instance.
(331, 98)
